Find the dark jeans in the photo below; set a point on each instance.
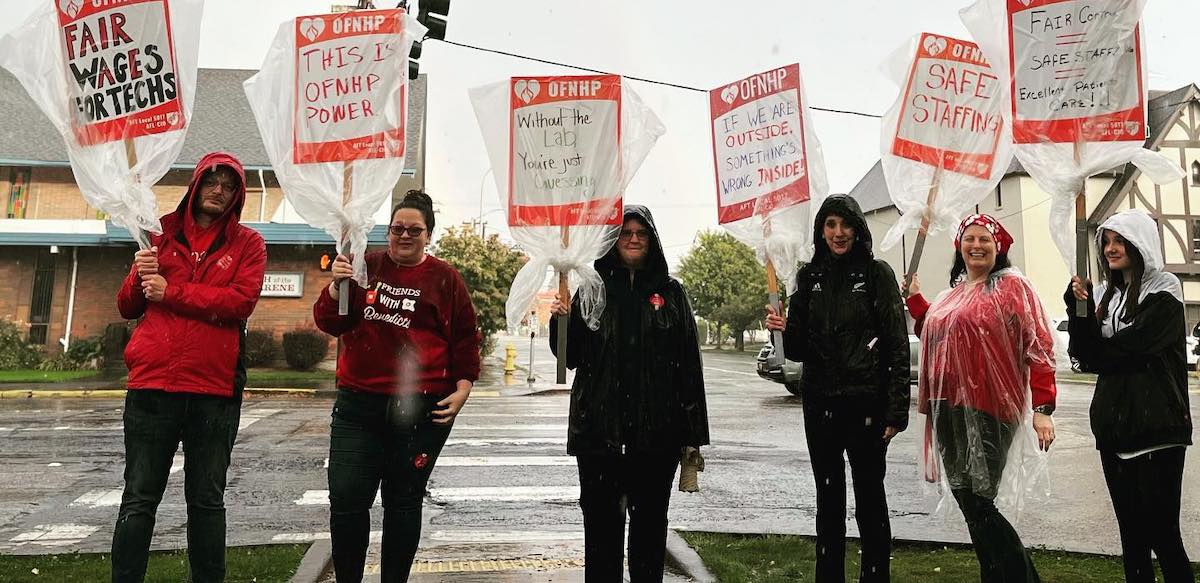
(1145, 494)
(612, 485)
(155, 423)
(962, 434)
(374, 440)
(834, 427)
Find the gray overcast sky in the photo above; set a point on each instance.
(699, 43)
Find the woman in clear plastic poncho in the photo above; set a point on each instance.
(987, 362)
(1133, 338)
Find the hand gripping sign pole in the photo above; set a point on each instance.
(944, 143)
(769, 173)
(1077, 75)
(571, 145)
(115, 80)
(331, 102)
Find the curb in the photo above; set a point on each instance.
(61, 394)
(682, 557)
(315, 563)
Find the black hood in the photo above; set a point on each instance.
(846, 207)
(656, 260)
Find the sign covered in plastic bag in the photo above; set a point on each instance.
(117, 80)
(350, 96)
(331, 104)
(565, 140)
(945, 143)
(1076, 67)
(758, 144)
(121, 56)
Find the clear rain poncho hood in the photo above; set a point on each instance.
(1139, 230)
(987, 358)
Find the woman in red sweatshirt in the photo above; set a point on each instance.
(987, 364)
(410, 354)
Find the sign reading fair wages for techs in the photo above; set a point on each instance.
(350, 86)
(758, 144)
(564, 151)
(121, 57)
(951, 114)
(1077, 71)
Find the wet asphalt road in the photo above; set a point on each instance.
(504, 487)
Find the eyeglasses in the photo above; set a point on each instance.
(213, 183)
(400, 230)
(642, 234)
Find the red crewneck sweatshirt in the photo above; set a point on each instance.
(412, 329)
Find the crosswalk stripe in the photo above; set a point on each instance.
(505, 494)
(514, 460)
(474, 442)
(504, 536)
(98, 498)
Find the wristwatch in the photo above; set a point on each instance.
(1044, 409)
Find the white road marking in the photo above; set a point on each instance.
(321, 498)
(99, 498)
(253, 416)
(512, 460)
(54, 535)
(503, 536)
(486, 442)
(741, 372)
(505, 494)
(304, 537)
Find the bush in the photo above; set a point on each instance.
(261, 348)
(86, 353)
(303, 348)
(15, 352)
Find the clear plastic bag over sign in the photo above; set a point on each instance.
(117, 80)
(945, 139)
(770, 170)
(568, 147)
(986, 350)
(1078, 86)
(331, 101)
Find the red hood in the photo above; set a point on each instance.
(174, 221)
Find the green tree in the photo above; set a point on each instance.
(725, 282)
(488, 266)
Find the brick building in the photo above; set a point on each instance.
(61, 262)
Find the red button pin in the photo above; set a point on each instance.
(421, 461)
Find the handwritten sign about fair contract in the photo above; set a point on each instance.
(120, 57)
(565, 139)
(350, 84)
(1077, 71)
(758, 144)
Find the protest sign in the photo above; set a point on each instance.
(120, 57)
(758, 144)
(350, 97)
(945, 142)
(565, 139)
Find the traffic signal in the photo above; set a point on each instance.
(433, 14)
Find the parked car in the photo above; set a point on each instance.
(790, 372)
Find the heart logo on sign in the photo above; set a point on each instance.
(1025, 2)
(71, 7)
(527, 89)
(934, 45)
(1132, 127)
(312, 28)
(172, 118)
(729, 94)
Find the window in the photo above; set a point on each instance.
(1196, 238)
(18, 192)
(999, 197)
(43, 293)
(1196, 173)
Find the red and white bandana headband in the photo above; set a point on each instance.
(1003, 240)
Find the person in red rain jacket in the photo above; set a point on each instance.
(987, 372)
(192, 291)
(410, 354)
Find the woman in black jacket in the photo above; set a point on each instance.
(1134, 340)
(636, 402)
(846, 324)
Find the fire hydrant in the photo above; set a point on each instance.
(510, 359)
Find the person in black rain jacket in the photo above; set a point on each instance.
(846, 323)
(637, 400)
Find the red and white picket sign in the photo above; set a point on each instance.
(952, 110)
(564, 163)
(758, 144)
(350, 95)
(121, 60)
(1076, 71)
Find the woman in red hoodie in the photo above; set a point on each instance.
(410, 354)
(987, 363)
